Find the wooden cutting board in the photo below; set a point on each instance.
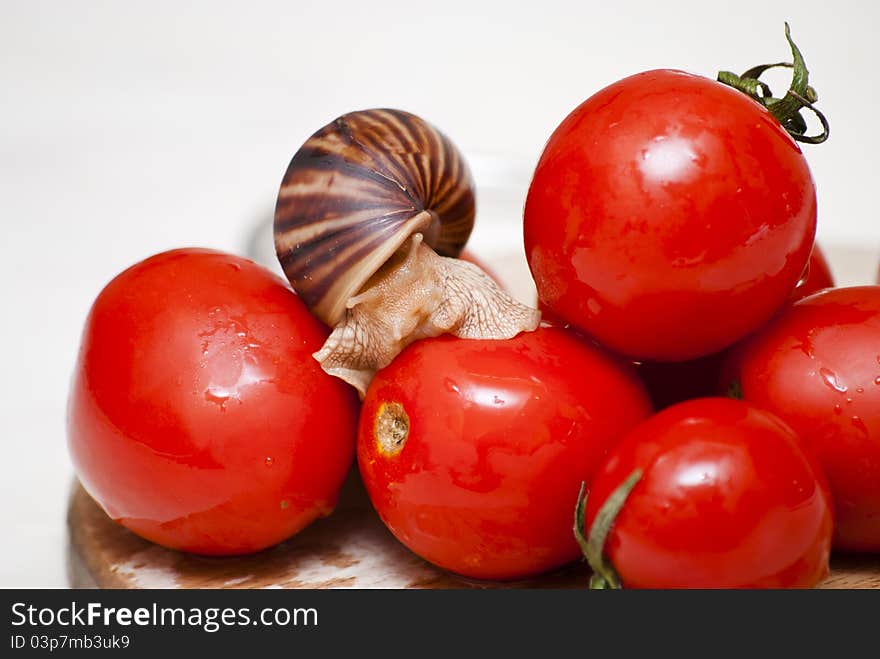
(349, 549)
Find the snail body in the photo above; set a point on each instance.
(371, 211)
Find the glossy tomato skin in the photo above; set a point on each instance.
(669, 383)
(817, 276)
(669, 215)
(197, 416)
(817, 366)
(728, 499)
(500, 436)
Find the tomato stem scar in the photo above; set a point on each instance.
(391, 428)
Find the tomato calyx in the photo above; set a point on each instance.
(593, 546)
(786, 109)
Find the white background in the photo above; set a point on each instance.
(127, 128)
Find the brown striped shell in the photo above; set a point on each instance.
(356, 191)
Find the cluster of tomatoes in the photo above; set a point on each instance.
(700, 408)
(671, 219)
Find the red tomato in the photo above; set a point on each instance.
(817, 366)
(727, 499)
(198, 418)
(473, 452)
(675, 382)
(669, 216)
(816, 277)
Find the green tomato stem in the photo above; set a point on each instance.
(787, 109)
(593, 546)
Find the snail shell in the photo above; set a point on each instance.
(370, 213)
(355, 192)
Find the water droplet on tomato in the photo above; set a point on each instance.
(269, 461)
(218, 397)
(838, 409)
(877, 380)
(234, 266)
(860, 390)
(830, 378)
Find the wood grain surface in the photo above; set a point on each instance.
(349, 549)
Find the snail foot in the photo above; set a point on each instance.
(418, 294)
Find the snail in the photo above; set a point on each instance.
(371, 212)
